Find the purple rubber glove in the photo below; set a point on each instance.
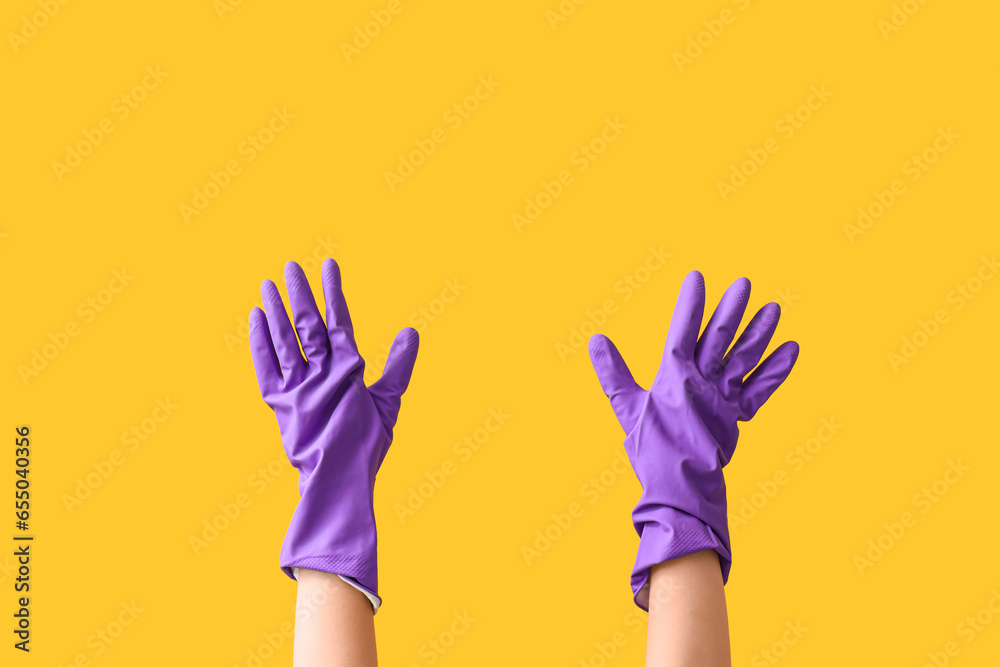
(683, 430)
(335, 430)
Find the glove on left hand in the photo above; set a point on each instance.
(335, 430)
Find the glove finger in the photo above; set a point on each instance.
(286, 345)
(682, 336)
(766, 378)
(721, 329)
(265, 360)
(308, 322)
(748, 350)
(338, 319)
(388, 390)
(616, 380)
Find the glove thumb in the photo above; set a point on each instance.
(616, 380)
(388, 390)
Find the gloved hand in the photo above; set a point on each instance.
(683, 430)
(335, 430)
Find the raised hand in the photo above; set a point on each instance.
(335, 430)
(683, 429)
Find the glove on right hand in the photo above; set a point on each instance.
(683, 430)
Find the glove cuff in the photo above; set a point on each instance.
(333, 530)
(359, 568)
(670, 534)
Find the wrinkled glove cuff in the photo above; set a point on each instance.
(670, 535)
(333, 529)
(357, 567)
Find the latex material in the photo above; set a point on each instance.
(683, 430)
(335, 430)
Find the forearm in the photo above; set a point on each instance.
(688, 626)
(679, 434)
(334, 623)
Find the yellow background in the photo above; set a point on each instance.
(176, 330)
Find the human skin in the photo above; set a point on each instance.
(334, 623)
(688, 625)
